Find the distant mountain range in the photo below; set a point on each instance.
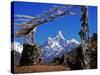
(53, 47)
(57, 46)
(17, 48)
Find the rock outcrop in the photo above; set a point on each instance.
(30, 54)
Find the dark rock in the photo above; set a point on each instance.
(94, 51)
(30, 54)
(26, 58)
(74, 59)
(59, 60)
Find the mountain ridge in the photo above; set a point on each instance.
(57, 46)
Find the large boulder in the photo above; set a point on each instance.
(27, 53)
(74, 59)
(30, 54)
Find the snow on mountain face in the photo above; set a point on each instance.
(57, 46)
(17, 48)
(60, 36)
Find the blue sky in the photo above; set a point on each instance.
(69, 25)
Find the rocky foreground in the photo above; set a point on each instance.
(73, 61)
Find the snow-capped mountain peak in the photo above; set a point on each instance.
(49, 38)
(73, 41)
(60, 35)
(17, 47)
(57, 46)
